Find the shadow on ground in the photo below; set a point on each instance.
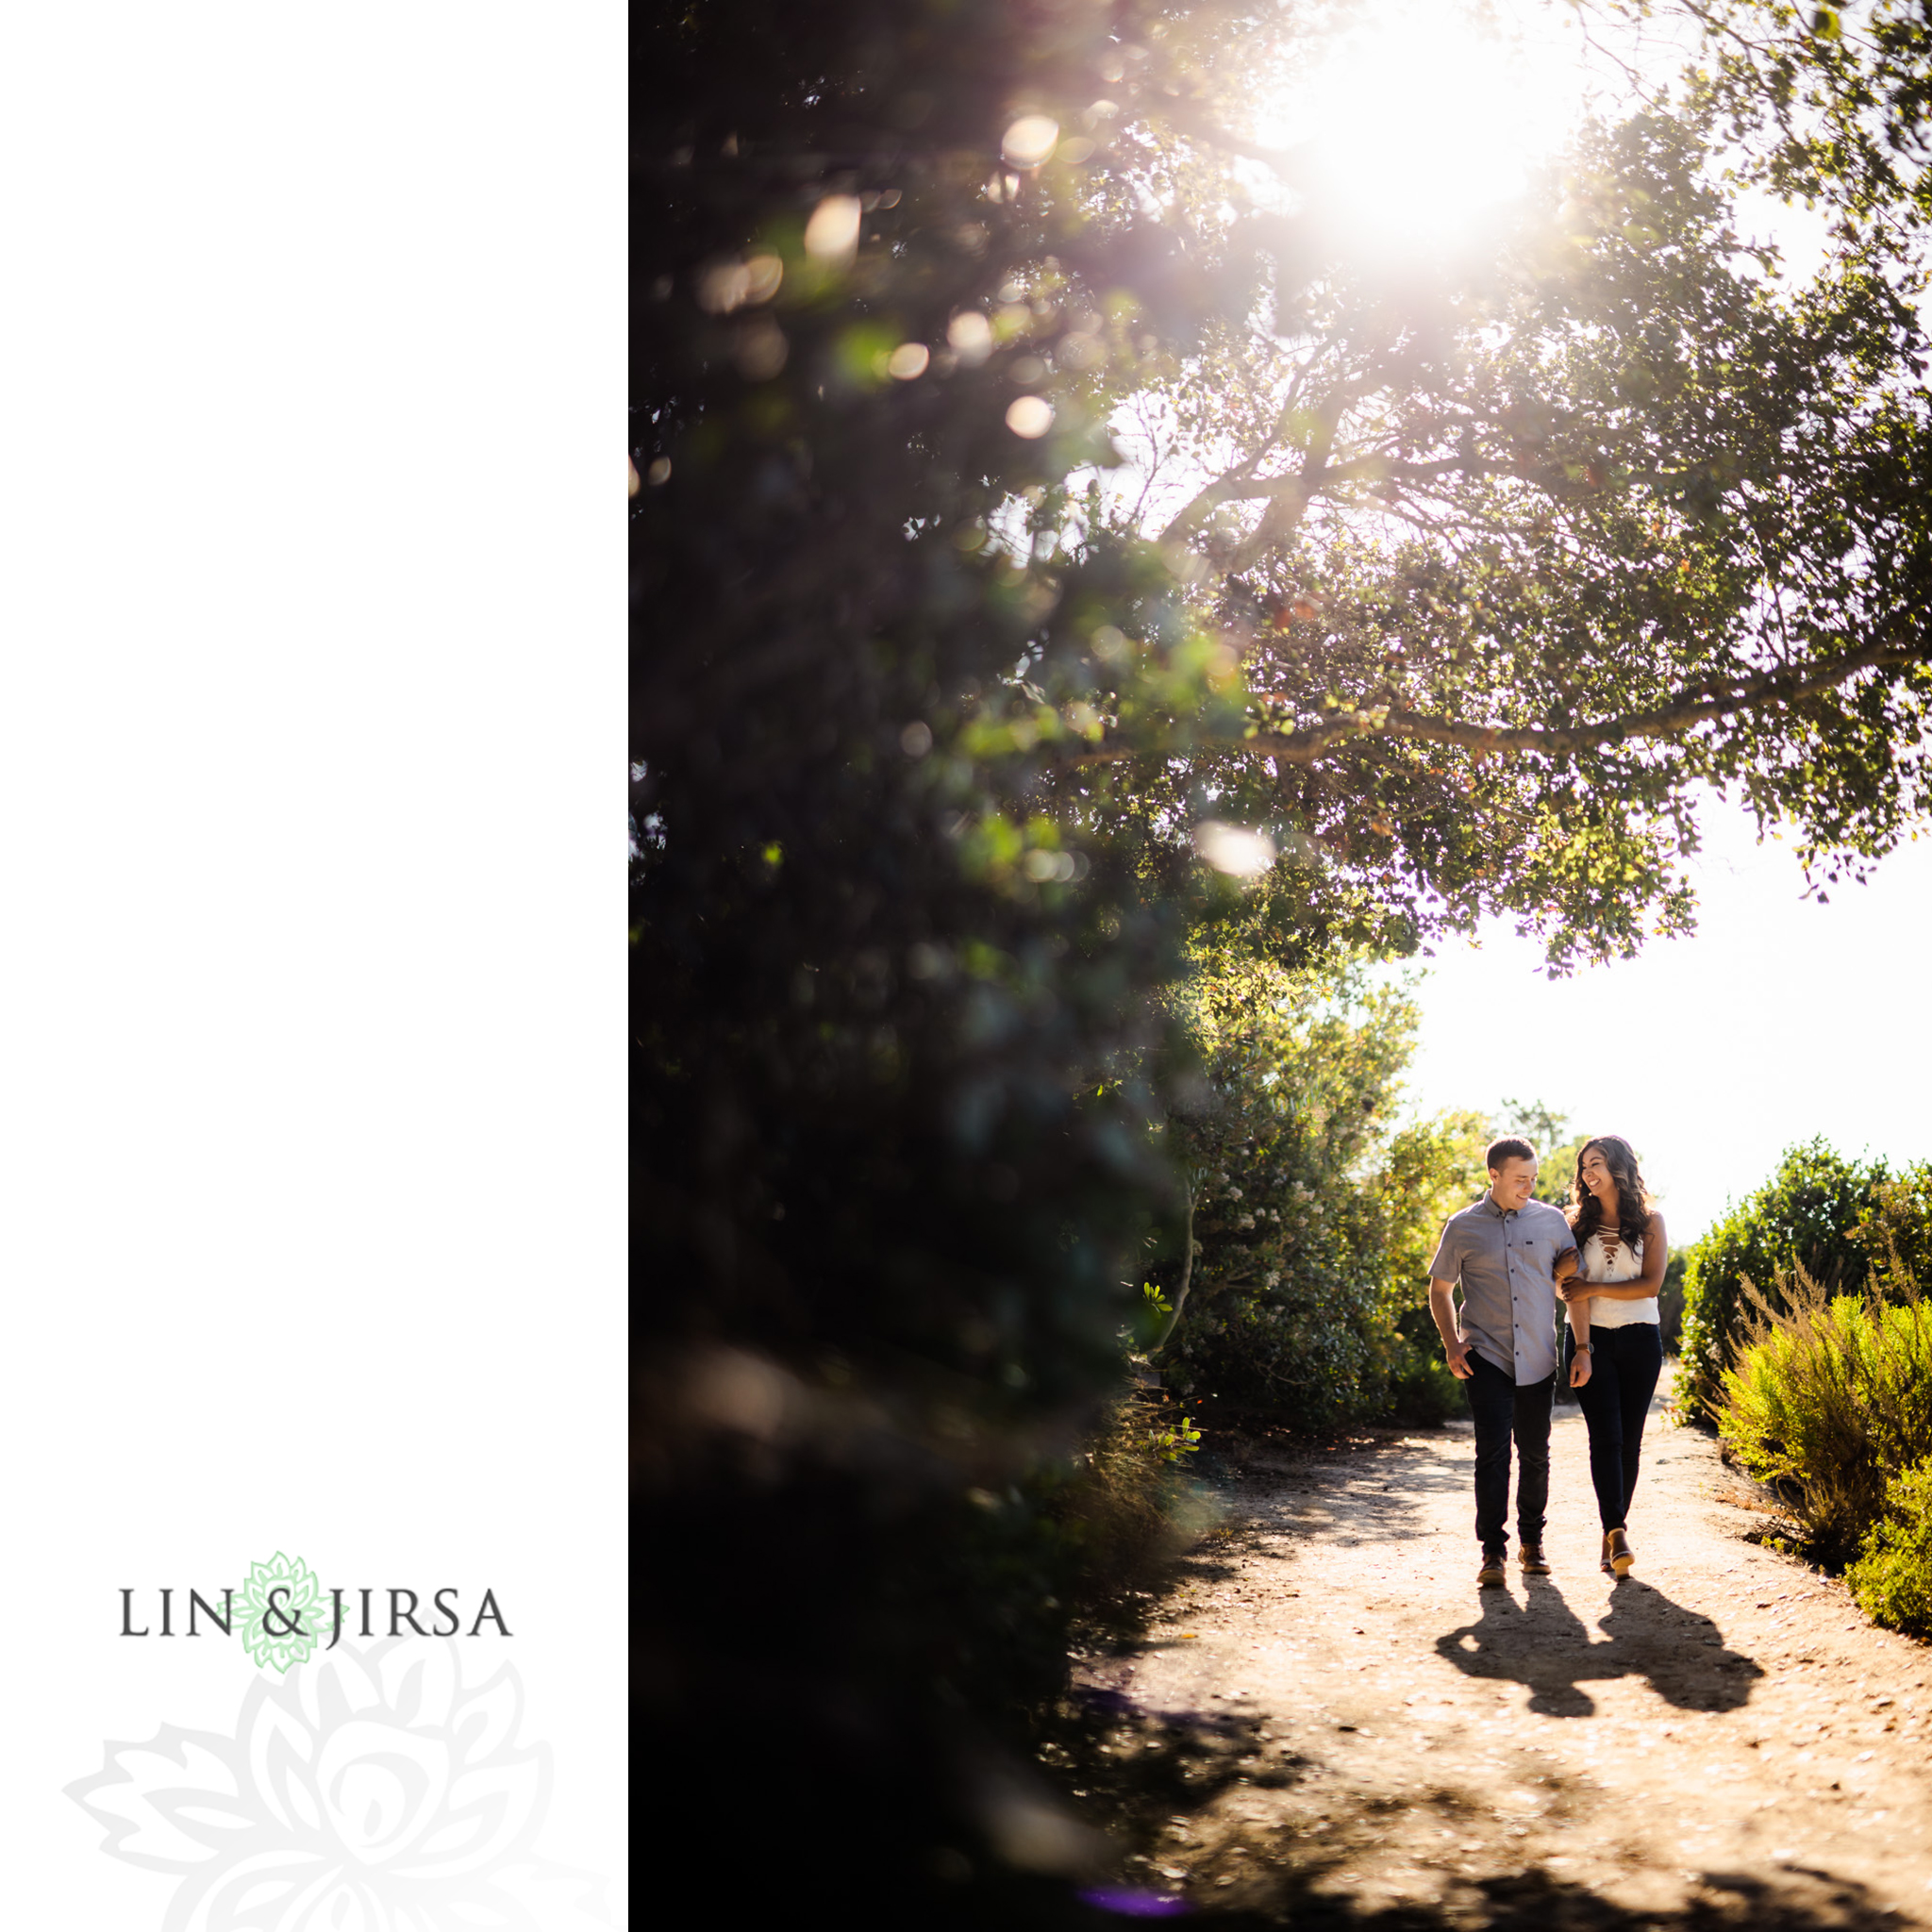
(1725, 1902)
(1542, 1643)
(1135, 1772)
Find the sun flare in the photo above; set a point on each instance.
(1422, 118)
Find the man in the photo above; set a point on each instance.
(1508, 1253)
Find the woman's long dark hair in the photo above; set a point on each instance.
(1633, 1197)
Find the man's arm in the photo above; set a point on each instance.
(1442, 1307)
(1566, 1265)
(1578, 1312)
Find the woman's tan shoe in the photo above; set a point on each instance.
(1618, 1555)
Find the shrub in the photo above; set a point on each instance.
(1124, 1506)
(1894, 1231)
(1433, 1168)
(1831, 1399)
(1806, 1216)
(1670, 1301)
(1421, 1391)
(1891, 1581)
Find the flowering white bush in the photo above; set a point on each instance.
(1294, 1299)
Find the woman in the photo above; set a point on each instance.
(1621, 1256)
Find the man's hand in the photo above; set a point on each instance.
(1579, 1369)
(1457, 1357)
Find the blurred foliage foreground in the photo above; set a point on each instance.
(1008, 811)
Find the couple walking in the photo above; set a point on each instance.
(1515, 1258)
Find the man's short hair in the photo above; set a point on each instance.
(1510, 1147)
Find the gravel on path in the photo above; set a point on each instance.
(1720, 1736)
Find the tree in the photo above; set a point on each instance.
(1556, 1148)
(1894, 1231)
(1823, 104)
(1284, 1274)
(1519, 549)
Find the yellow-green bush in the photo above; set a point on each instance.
(1893, 1579)
(1831, 1399)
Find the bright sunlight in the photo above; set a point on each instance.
(1424, 115)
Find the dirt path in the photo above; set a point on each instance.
(1721, 1737)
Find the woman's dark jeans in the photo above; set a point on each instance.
(1625, 1364)
(1500, 1409)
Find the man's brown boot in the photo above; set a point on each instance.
(1492, 1575)
(1533, 1561)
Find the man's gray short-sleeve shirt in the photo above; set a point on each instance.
(1503, 1262)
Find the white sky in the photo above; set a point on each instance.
(1778, 1020)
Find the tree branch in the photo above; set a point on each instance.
(1292, 164)
(1180, 1300)
(1305, 746)
(1291, 494)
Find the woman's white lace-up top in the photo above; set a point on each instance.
(1607, 1259)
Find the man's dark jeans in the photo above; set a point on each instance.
(1502, 1409)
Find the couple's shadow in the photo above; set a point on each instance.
(1540, 1641)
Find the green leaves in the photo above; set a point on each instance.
(1600, 517)
(1313, 1217)
(1175, 1442)
(1837, 119)
(1808, 1214)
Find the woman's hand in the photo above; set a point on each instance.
(1579, 1368)
(1573, 1291)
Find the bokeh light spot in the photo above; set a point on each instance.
(970, 335)
(1030, 139)
(1030, 416)
(832, 234)
(1241, 854)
